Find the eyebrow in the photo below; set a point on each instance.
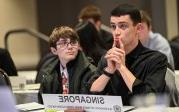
(119, 22)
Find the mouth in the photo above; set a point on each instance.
(116, 39)
(70, 53)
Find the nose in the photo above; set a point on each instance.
(117, 32)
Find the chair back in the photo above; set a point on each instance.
(4, 79)
(173, 92)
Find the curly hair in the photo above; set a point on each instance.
(62, 32)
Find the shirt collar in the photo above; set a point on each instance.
(135, 53)
(64, 70)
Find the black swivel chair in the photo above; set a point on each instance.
(4, 79)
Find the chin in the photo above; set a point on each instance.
(71, 57)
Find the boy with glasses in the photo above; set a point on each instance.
(71, 70)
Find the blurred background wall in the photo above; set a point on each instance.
(44, 15)
(15, 14)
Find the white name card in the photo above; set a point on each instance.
(90, 103)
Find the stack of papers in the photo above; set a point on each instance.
(30, 107)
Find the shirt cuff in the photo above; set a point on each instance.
(136, 85)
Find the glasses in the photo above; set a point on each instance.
(122, 26)
(64, 43)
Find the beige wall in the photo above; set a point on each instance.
(171, 18)
(20, 14)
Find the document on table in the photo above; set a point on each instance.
(30, 106)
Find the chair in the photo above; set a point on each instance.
(7, 63)
(173, 92)
(30, 64)
(4, 79)
(174, 44)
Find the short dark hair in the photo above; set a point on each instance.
(145, 18)
(62, 32)
(90, 11)
(127, 9)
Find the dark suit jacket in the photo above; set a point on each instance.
(174, 44)
(6, 63)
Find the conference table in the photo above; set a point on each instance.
(27, 95)
(27, 98)
(35, 107)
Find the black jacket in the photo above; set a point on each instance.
(174, 44)
(80, 71)
(90, 41)
(6, 63)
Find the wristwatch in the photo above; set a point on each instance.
(107, 73)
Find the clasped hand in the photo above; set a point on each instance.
(115, 57)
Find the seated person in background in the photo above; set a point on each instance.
(6, 62)
(88, 40)
(154, 41)
(128, 68)
(92, 14)
(70, 72)
(174, 43)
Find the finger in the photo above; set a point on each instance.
(117, 44)
(113, 56)
(114, 44)
(121, 44)
(109, 51)
(115, 60)
(116, 51)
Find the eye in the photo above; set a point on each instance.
(62, 43)
(113, 26)
(123, 26)
(73, 42)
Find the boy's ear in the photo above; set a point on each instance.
(53, 50)
(139, 27)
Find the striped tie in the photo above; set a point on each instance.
(65, 84)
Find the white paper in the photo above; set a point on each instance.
(30, 106)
